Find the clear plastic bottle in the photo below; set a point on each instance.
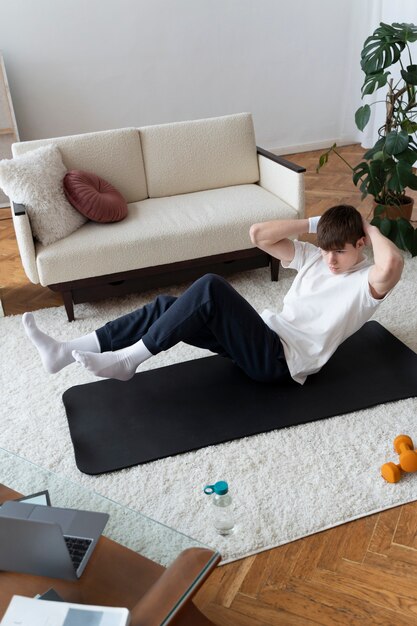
(222, 507)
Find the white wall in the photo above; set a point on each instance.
(83, 65)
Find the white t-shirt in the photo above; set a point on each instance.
(320, 310)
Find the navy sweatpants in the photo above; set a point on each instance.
(210, 314)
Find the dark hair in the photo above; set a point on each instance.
(338, 226)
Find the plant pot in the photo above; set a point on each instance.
(392, 212)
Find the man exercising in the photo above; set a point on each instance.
(335, 292)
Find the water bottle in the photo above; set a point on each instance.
(222, 507)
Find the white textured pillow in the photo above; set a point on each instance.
(35, 179)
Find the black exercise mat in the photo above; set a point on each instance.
(190, 405)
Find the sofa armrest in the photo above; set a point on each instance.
(281, 161)
(18, 209)
(282, 178)
(25, 241)
(176, 583)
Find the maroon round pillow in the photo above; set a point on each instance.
(94, 197)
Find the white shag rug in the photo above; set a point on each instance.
(286, 484)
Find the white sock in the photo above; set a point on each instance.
(120, 364)
(56, 354)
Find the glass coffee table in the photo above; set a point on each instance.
(167, 566)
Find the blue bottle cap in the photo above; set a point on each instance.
(220, 488)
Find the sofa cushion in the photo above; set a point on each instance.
(203, 154)
(94, 197)
(115, 155)
(162, 230)
(36, 180)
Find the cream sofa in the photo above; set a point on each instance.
(193, 190)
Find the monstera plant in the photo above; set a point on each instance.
(386, 170)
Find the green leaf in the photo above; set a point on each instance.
(409, 127)
(379, 146)
(385, 226)
(396, 142)
(405, 234)
(406, 176)
(405, 225)
(396, 32)
(371, 177)
(401, 176)
(383, 49)
(362, 169)
(393, 234)
(408, 156)
(378, 210)
(410, 74)
(322, 161)
(325, 157)
(404, 32)
(378, 54)
(412, 181)
(374, 81)
(362, 116)
(412, 244)
(379, 156)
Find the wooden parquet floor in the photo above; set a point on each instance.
(360, 573)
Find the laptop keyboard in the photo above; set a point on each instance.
(77, 547)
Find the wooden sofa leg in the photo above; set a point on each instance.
(274, 268)
(69, 305)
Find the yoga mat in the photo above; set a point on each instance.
(207, 401)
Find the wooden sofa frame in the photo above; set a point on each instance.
(122, 283)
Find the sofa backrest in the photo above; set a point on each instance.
(184, 157)
(115, 155)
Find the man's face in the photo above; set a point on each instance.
(340, 261)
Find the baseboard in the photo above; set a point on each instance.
(315, 145)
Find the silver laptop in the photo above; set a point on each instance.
(47, 540)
